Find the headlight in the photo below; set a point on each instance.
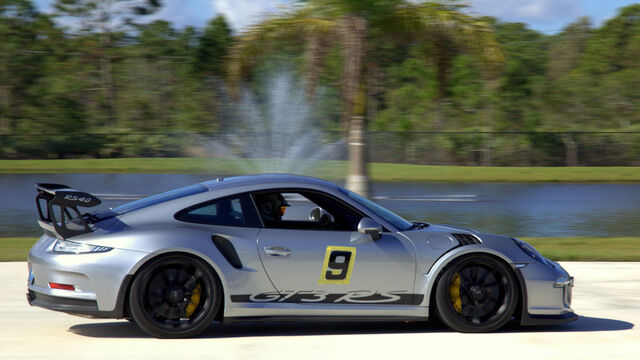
(531, 251)
(72, 247)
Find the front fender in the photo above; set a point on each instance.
(425, 282)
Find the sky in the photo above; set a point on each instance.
(548, 16)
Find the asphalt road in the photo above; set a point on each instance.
(606, 296)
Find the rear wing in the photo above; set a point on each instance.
(58, 210)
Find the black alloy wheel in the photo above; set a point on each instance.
(175, 296)
(476, 293)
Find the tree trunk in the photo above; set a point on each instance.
(373, 81)
(571, 150)
(439, 119)
(354, 33)
(314, 50)
(357, 179)
(5, 102)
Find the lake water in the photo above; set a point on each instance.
(515, 209)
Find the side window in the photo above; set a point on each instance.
(230, 211)
(304, 210)
(298, 207)
(344, 216)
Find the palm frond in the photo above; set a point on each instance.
(429, 20)
(302, 27)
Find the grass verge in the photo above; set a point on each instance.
(15, 248)
(588, 248)
(327, 169)
(556, 248)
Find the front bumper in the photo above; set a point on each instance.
(546, 294)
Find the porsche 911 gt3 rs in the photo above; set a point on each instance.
(276, 245)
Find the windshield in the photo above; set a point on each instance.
(387, 215)
(160, 198)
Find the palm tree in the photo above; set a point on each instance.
(358, 26)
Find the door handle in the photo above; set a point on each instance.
(277, 251)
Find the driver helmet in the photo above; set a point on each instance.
(272, 206)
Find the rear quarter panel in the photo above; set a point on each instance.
(196, 239)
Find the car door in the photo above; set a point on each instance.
(312, 262)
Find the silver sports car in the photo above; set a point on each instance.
(272, 245)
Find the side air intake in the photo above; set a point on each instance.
(466, 239)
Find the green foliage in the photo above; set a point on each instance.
(111, 72)
(468, 95)
(213, 47)
(373, 9)
(525, 52)
(410, 100)
(616, 45)
(56, 84)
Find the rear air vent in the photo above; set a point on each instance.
(228, 251)
(466, 239)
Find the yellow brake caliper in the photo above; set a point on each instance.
(194, 300)
(454, 293)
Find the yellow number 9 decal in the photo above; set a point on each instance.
(338, 265)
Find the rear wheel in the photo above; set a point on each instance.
(175, 296)
(476, 293)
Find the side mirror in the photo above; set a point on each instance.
(318, 214)
(370, 227)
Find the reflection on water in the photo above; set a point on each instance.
(516, 209)
(525, 209)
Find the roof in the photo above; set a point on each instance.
(266, 179)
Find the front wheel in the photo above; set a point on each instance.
(476, 293)
(175, 296)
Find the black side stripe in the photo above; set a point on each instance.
(304, 297)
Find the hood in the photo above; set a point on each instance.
(450, 228)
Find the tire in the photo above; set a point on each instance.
(175, 296)
(476, 293)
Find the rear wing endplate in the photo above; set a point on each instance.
(58, 210)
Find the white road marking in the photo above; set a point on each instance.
(120, 196)
(431, 198)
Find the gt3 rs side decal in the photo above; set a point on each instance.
(351, 297)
